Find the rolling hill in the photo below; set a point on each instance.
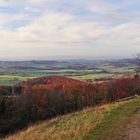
(52, 80)
(57, 83)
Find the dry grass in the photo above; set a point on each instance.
(73, 126)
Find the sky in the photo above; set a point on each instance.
(67, 29)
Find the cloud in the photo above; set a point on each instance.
(57, 27)
(44, 28)
(101, 7)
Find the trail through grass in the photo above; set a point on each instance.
(113, 124)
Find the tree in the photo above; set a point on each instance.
(137, 70)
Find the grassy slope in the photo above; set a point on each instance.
(114, 124)
(10, 80)
(92, 76)
(90, 124)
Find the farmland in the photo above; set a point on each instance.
(31, 92)
(12, 73)
(10, 80)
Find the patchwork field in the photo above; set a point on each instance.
(12, 73)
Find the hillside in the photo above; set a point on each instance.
(56, 83)
(103, 122)
(52, 80)
(46, 83)
(48, 97)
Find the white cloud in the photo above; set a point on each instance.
(8, 19)
(82, 28)
(101, 7)
(36, 3)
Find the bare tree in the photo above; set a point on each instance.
(137, 70)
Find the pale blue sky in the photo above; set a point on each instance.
(50, 29)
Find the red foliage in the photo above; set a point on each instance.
(118, 88)
(5, 90)
(47, 97)
(50, 96)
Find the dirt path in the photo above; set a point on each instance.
(132, 131)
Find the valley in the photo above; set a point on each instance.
(72, 99)
(14, 72)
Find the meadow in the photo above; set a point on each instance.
(15, 74)
(12, 79)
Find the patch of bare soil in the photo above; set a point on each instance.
(132, 131)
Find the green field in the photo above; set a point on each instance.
(92, 76)
(12, 73)
(84, 75)
(61, 72)
(9, 80)
(12, 79)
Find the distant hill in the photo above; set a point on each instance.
(50, 83)
(52, 80)
(122, 62)
(68, 64)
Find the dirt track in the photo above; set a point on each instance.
(132, 131)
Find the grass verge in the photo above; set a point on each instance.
(113, 124)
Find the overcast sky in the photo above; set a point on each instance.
(50, 29)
